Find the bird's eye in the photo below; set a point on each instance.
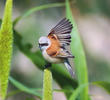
(44, 44)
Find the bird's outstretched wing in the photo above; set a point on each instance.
(62, 32)
(60, 37)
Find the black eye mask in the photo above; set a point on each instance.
(44, 44)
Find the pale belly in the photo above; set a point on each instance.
(51, 59)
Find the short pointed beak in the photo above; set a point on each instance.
(39, 46)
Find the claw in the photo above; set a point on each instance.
(48, 65)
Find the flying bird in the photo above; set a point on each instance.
(53, 46)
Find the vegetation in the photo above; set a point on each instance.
(6, 40)
(74, 89)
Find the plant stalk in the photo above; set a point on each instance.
(47, 85)
(6, 43)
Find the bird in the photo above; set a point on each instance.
(53, 46)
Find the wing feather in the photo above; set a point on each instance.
(62, 30)
(64, 54)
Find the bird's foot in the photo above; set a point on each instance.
(47, 65)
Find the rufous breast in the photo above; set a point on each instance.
(54, 48)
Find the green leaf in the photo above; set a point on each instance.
(29, 99)
(78, 52)
(6, 40)
(24, 88)
(62, 90)
(105, 85)
(35, 9)
(60, 74)
(14, 92)
(76, 92)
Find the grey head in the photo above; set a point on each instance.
(44, 43)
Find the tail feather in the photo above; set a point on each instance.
(68, 66)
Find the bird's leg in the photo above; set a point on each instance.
(47, 65)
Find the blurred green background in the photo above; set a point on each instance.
(93, 20)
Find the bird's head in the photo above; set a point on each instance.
(44, 43)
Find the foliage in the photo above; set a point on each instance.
(6, 40)
(105, 85)
(24, 88)
(73, 89)
(77, 50)
(30, 11)
(76, 93)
